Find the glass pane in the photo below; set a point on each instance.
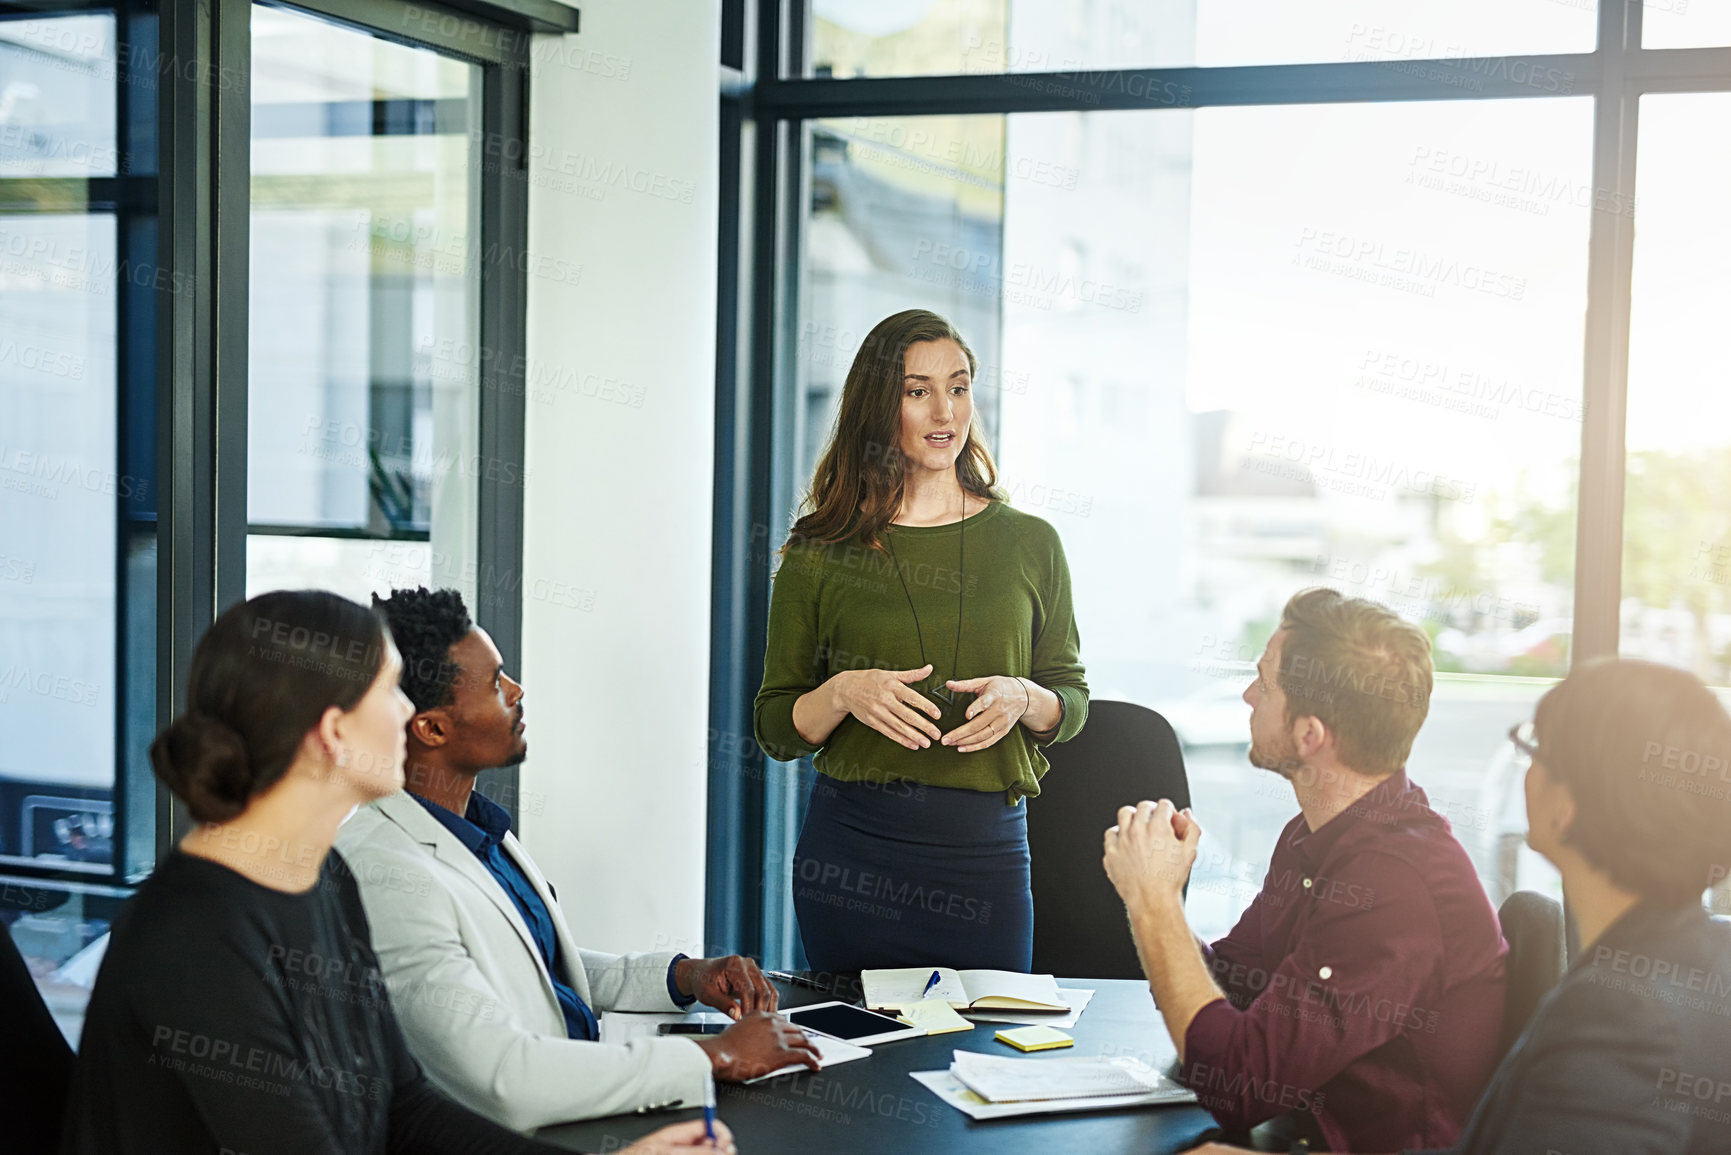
(57, 97)
(1686, 24)
(62, 936)
(78, 496)
(950, 37)
(356, 569)
(1243, 351)
(905, 213)
(60, 497)
(1676, 517)
(364, 286)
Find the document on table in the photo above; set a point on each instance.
(953, 1091)
(1000, 1079)
(829, 1053)
(1076, 999)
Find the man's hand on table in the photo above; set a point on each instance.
(756, 1045)
(733, 984)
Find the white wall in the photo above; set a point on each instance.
(621, 343)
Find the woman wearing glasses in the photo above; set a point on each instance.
(240, 1006)
(1629, 796)
(921, 644)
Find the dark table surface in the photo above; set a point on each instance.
(871, 1105)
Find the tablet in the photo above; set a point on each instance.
(851, 1024)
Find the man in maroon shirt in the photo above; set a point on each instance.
(1364, 985)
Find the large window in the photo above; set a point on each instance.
(1351, 318)
(78, 485)
(363, 396)
(1677, 547)
(1221, 387)
(388, 263)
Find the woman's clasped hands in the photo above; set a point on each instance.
(886, 701)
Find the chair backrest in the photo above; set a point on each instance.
(35, 1062)
(1124, 754)
(1533, 926)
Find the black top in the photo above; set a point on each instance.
(1629, 1055)
(35, 1062)
(232, 1017)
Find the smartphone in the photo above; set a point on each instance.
(692, 1028)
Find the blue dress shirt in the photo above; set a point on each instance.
(482, 828)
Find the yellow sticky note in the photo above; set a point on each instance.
(935, 1015)
(1035, 1038)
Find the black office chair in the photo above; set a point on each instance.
(35, 1062)
(1538, 954)
(1124, 754)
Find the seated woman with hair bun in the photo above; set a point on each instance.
(239, 1007)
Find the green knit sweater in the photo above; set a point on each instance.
(839, 607)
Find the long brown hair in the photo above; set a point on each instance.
(857, 487)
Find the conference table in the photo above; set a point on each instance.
(872, 1105)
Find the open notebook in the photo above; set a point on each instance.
(963, 990)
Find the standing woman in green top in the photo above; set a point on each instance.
(922, 645)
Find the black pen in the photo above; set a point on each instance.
(798, 980)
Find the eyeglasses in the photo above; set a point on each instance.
(1525, 739)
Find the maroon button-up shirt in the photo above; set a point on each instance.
(1364, 984)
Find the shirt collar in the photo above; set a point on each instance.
(1387, 803)
(482, 824)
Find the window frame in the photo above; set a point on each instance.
(132, 195)
(503, 53)
(195, 391)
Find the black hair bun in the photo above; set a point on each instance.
(204, 761)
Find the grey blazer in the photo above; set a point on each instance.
(473, 996)
(1629, 1055)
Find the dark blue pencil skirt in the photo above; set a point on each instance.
(899, 874)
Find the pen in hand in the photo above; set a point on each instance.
(800, 980)
(709, 1111)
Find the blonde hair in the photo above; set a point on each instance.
(1361, 670)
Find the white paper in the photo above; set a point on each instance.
(1001, 1080)
(954, 1092)
(1077, 1000)
(829, 1053)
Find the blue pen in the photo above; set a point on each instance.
(709, 1111)
(930, 983)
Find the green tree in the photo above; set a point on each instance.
(1677, 538)
(1462, 564)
